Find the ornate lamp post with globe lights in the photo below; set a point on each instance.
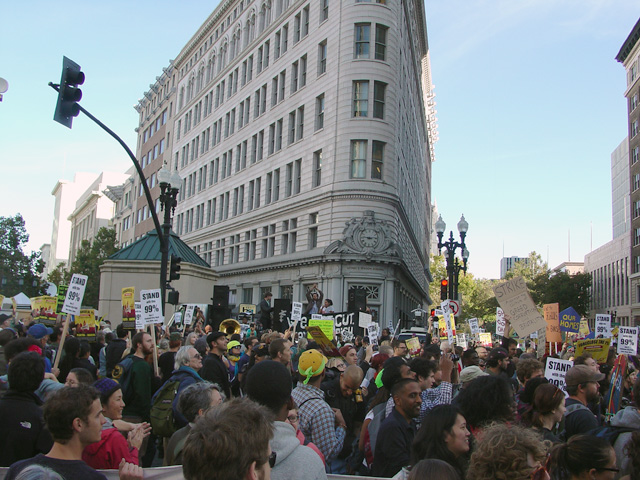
(453, 265)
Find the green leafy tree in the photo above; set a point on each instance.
(59, 275)
(19, 272)
(535, 273)
(569, 291)
(88, 259)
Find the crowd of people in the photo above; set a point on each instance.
(272, 405)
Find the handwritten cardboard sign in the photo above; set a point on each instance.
(551, 313)
(514, 298)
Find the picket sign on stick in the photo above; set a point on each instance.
(71, 306)
(155, 350)
(65, 330)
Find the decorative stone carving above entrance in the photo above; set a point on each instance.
(367, 236)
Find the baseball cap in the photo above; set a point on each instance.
(471, 373)
(497, 353)
(38, 331)
(233, 343)
(582, 374)
(311, 364)
(212, 337)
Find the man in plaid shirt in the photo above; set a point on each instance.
(319, 423)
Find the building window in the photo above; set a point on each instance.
(636, 237)
(636, 269)
(313, 231)
(379, 89)
(636, 182)
(377, 157)
(297, 175)
(305, 21)
(360, 98)
(303, 71)
(636, 209)
(324, 10)
(635, 153)
(358, 158)
(319, 112)
(317, 169)
(322, 57)
(633, 102)
(362, 40)
(634, 128)
(381, 42)
(294, 77)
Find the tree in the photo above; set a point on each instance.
(59, 275)
(535, 273)
(19, 272)
(569, 291)
(88, 259)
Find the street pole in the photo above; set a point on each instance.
(453, 266)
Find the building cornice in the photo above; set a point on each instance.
(629, 43)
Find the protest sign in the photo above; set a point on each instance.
(247, 308)
(188, 314)
(86, 324)
(514, 298)
(540, 346)
(598, 348)
(603, 326)
(555, 372)
(364, 319)
(296, 311)
(43, 310)
(450, 320)
(75, 293)
(62, 294)
(584, 328)
(569, 320)
(500, 322)
(485, 339)
(461, 339)
(628, 341)
(139, 321)
(473, 325)
(616, 384)
(151, 304)
(345, 323)
(372, 333)
(328, 348)
(129, 308)
(551, 312)
(326, 326)
(413, 345)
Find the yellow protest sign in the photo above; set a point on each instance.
(328, 348)
(598, 348)
(325, 325)
(128, 308)
(86, 324)
(584, 328)
(413, 345)
(485, 339)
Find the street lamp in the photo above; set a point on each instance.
(169, 186)
(453, 265)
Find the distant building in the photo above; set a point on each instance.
(629, 56)
(93, 210)
(124, 212)
(569, 267)
(620, 181)
(507, 263)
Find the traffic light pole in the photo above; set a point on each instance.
(164, 245)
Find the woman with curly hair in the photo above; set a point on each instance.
(507, 452)
(443, 435)
(485, 400)
(583, 456)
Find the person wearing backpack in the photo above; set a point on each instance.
(166, 418)
(115, 350)
(582, 387)
(628, 418)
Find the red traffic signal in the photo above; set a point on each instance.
(444, 284)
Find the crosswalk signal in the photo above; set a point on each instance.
(174, 270)
(444, 284)
(69, 94)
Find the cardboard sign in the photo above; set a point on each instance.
(328, 348)
(129, 308)
(603, 326)
(326, 326)
(598, 348)
(151, 304)
(413, 345)
(364, 319)
(514, 298)
(628, 341)
(296, 311)
(139, 321)
(540, 346)
(555, 372)
(188, 314)
(62, 294)
(551, 312)
(473, 325)
(86, 324)
(501, 324)
(75, 294)
(569, 320)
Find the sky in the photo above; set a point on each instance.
(530, 103)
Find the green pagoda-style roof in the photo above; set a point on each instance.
(148, 248)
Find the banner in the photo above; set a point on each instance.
(128, 308)
(514, 298)
(598, 348)
(603, 326)
(62, 294)
(86, 324)
(556, 371)
(43, 310)
(327, 327)
(628, 341)
(501, 324)
(551, 312)
(569, 320)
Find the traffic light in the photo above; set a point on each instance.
(432, 313)
(173, 297)
(444, 290)
(174, 271)
(69, 94)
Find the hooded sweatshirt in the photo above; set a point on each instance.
(629, 417)
(110, 450)
(293, 460)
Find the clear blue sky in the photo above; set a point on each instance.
(529, 98)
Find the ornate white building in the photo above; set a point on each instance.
(301, 134)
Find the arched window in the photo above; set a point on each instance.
(181, 99)
(261, 18)
(267, 15)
